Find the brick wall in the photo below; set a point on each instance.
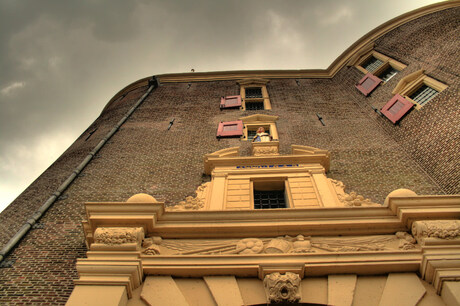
(368, 153)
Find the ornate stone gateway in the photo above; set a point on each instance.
(217, 248)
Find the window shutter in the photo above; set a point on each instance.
(230, 101)
(368, 83)
(230, 129)
(396, 108)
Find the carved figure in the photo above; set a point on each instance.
(301, 245)
(282, 287)
(278, 246)
(406, 241)
(249, 246)
(442, 229)
(118, 235)
(261, 136)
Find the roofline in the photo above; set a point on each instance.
(329, 72)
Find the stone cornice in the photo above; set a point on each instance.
(400, 214)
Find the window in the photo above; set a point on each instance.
(254, 94)
(230, 102)
(419, 88)
(255, 105)
(388, 73)
(252, 123)
(378, 68)
(379, 65)
(396, 108)
(269, 194)
(372, 64)
(230, 129)
(423, 94)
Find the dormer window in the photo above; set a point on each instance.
(254, 94)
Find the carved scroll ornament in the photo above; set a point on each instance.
(282, 287)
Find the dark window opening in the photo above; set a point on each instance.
(266, 199)
(423, 94)
(254, 105)
(388, 74)
(253, 92)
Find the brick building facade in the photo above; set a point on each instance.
(371, 155)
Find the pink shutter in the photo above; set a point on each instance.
(368, 83)
(230, 101)
(230, 129)
(396, 108)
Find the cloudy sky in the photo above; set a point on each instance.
(62, 61)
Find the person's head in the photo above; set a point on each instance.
(260, 130)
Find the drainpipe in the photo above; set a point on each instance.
(153, 83)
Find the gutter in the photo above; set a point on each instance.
(153, 83)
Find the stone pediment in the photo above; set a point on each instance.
(259, 118)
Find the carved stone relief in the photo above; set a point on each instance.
(406, 241)
(249, 246)
(118, 235)
(117, 238)
(436, 229)
(351, 199)
(279, 245)
(152, 246)
(193, 203)
(259, 151)
(282, 287)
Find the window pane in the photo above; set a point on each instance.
(269, 199)
(372, 64)
(424, 94)
(254, 105)
(388, 74)
(254, 92)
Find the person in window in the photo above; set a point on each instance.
(262, 136)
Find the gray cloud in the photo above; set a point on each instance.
(61, 61)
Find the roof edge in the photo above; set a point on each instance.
(329, 72)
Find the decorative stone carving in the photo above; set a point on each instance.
(352, 244)
(117, 239)
(437, 229)
(118, 235)
(249, 246)
(278, 246)
(193, 203)
(151, 246)
(265, 148)
(406, 241)
(352, 199)
(282, 287)
(301, 245)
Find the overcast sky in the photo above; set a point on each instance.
(62, 61)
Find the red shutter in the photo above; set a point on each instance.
(368, 83)
(230, 101)
(230, 129)
(396, 108)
